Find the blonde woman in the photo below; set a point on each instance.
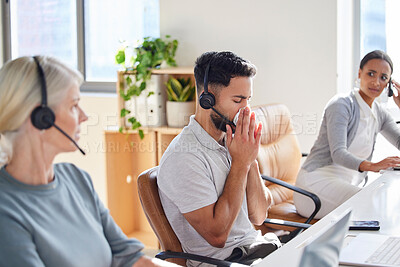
(50, 214)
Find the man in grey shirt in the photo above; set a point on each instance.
(209, 180)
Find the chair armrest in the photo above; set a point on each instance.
(314, 197)
(188, 256)
(287, 223)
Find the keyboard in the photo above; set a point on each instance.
(388, 253)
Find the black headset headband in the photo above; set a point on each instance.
(42, 81)
(207, 99)
(206, 77)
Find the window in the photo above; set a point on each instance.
(379, 30)
(379, 27)
(392, 34)
(44, 27)
(83, 33)
(372, 26)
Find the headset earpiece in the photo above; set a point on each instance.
(207, 99)
(42, 118)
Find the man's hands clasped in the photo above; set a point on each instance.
(243, 146)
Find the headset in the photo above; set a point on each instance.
(43, 117)
(207, 99)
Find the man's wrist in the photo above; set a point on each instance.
(240, 165)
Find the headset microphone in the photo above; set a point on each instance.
(207, 100)
(231, 123)
(69, 137)
(43, 117)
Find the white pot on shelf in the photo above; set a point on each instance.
(178, 113)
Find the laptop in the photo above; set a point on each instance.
(371, 250)
(323, 249)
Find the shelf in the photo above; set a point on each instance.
(174, 70)
(162, 129)
(169, 70)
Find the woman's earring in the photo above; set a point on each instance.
(357, 83)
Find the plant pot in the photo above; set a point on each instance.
(178, 113)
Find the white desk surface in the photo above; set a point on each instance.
(379, 201)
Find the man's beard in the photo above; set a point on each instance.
(218, 122)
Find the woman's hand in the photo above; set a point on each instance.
(381, 165)
(396, 99)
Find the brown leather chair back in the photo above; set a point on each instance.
(279, 157)
(150, 200)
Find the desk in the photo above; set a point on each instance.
(380, 201)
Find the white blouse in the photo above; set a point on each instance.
(361, 146)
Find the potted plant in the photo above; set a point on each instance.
(149, 55)
(180, 104)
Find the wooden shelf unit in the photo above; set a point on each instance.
(126, 157)
(176, 72)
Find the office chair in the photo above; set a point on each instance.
(279, 160)
(170, 244)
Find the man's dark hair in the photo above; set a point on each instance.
(223, 67)
(376, 54)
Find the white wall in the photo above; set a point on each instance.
(292, 43)
(103, 113)
(348, 28)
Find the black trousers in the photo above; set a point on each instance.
(247, 254)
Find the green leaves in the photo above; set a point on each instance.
(141, 134)
(180, 90)
(150, 54)
(154, 51)
(124, 112)
(135, 124)
(120, 56)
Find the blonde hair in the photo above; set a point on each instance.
(20, 93)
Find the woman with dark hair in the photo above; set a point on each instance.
(341, 156)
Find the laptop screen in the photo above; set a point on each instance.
(324, 248)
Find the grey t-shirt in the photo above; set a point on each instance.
(192, 175)
(62, 223)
